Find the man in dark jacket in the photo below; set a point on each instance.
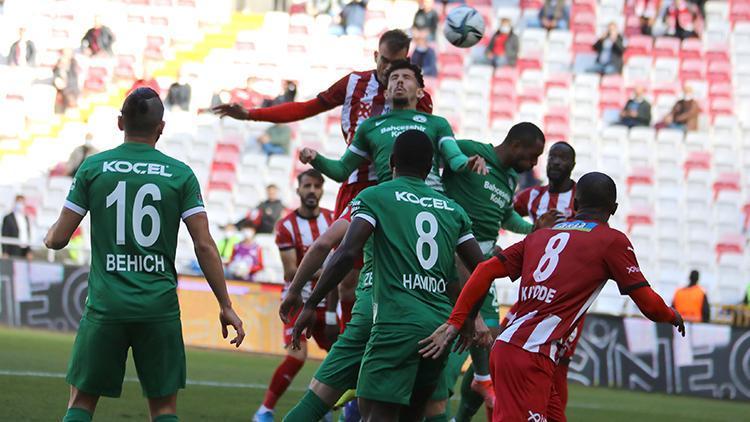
(268, 212)
(503, 47)
(22, 52)
(98, 39)
(423, 55)
(427, 18)
(637, 111)
(178, 94)
(609, 50)
(16, 226)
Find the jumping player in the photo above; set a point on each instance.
(416, 231)
(562, 270)
(294, 234)
(136, 196)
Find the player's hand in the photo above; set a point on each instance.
(482, 334)
(548, 219)
(478, 165)
(306, 155)
(435, 345)
(678, 322)
(228, 317)
(289, 307)
(465, 336)
(304, 323)
(233, 110)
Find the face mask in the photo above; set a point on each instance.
(505, 29)
(18, 207)
(687, 97)
(248, 234)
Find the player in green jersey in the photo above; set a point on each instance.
(488, 199)
(136, 196)
(416, 231)
(375, 136)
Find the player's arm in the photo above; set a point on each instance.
(289, 263)
(454, 157)
(521, 202)
(338, 170)
(513, 222)
(210, 263)
(62, 230)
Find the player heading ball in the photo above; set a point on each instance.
(132, 290)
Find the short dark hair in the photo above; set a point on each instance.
(272, 186)
(525, 132)
(405, 64)
(142, 112)
(694, 277)
(565, 145)
(413, 151)
(315, 174)
(596, 190)
(395, 40)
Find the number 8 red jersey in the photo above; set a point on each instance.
(562, 271)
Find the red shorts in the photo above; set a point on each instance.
(318, 332)
(347, 193)
(556, 408)
(523, 384)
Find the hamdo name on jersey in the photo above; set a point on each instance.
(425, 202)
(423, 282)
(497, 195)
(122, 166)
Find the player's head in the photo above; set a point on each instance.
(272, 192)
(141, 116)
(310, 188)
(560, 162)
(523, 145)
(412, 154)
(248, 231)
(596, 193)
(404, 84)
(20, 204)
(694, 277)
(393, 45)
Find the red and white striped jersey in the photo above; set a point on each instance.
(562, 271)
(537, 200)
(361, 96)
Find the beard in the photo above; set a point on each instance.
(400, 102)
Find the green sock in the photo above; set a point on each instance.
(76, 414)
(480, 358)
(310, 408)
(437, 418)
(166, 418)
(470, 400)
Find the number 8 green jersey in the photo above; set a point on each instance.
(136, 196)
(416, 233)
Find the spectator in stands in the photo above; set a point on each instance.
(79, 154)
(637, 111)
(225, 245)
(684, 114)
(554, 14)
(65, 81)
(351, 20)
(98, 39)
(247, 97)
(275, 140)
(17, 227)
(427, 18)
(178, 95)
(609, 50)
(289, 93)
(247, 256)
(647, 11)
(146, 80)
(691, 301)
(682, 20)
(423, 55)
(22, 51)
(503, 47)
(268, 212)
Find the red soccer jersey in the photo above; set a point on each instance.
(361, 96)
(537, 200)
(562, 271)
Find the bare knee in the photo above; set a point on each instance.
(162, 406)
(325, 393)
(300, 354)
(82, 400)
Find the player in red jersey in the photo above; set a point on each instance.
(562, 270)
(560, 191)
(294, 234)
(361, 95)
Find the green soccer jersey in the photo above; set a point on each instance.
(136, 196)
(488, 199)
(364, 284)
(416, 233)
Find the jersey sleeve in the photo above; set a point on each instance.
(465, 233)
(336, 93)
(362, 207)
(359, 144)
(78, 196)
(445, 133)
(284, 238)
(623, 265)
(521, 202)
(191, 202)
(512, 258)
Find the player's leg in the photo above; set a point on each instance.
(559, 397)
(436, 409)
(347, 296)
(523, 383)
(282, 378)
(430, 374)
(96, 367)
(378, 411)
(159, 357)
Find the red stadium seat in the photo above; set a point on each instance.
(632, 27)
(583, 22)
(697, 160)
(556, 132)
(95, 84)
(559, 80)
(584, 6)
(215, 185)
(746, 213)
(502, 110)
(692, 48)
(509, 74)
(639, 216)
(721, 107)
(533, 60)
(504, 91)
(727, 182)
(739, 11)
(720, 90)
(159, 21)
(557, 116)
(719, 71)
(640, 176)
(666, 88)
(612, 82)
(222, 167)
(692, 69)
(531, 95)
(583, 42)
(717, 52)
(732, 243)
(666, 47)
(531, 4)
(639, 45)
(447, 59)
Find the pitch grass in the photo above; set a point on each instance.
(41, 394)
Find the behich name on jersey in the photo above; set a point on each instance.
(122, 166)
(427, 202)
(135, 263)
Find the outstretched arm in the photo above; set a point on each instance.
(653, 307)
(60, 233)
(338, 170)
(282, 113)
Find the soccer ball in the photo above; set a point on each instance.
(464, 27)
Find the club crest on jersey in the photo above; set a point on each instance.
(581, 226)
(419, 119)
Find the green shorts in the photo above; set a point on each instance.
(449, 376)
(97, 364)
(340, 368)
(490, 310)
(392, 367)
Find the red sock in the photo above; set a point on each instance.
(346, 313)
(281, 379)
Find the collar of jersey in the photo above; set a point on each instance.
(136, 145)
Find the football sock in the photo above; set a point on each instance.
(480, 359)
(310, 408)
(346, 312)
(76, 414)
(470, 400)
(281, 379)
(437, 418)
(166, 418)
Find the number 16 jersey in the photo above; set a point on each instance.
(136, 196)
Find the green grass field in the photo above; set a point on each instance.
(226, 386)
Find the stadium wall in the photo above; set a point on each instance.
(629, 353)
